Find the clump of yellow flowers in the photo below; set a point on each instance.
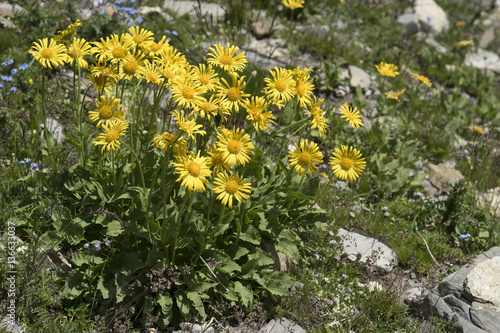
(204, 97)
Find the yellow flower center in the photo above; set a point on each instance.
(346, 163)
(47, 53)
(231, 187)
(194, 169)
(280, 85)
(206, 106)
(72, 53)
(138, 39)
(155, 47)
(204, 79)
(169, 137)
(99, 80)
(118, 52)
(234, 146)
(301, 89)
(168, 61)
(105, 112)
(106, 71)
(304, 159)
(226, 59)
(217, 158)
(130, 68)
(233, 94)
(152, 77)
(112, 136)
(188, 93)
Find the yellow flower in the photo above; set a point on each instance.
(151, 73)
(460, 23)
(256, 108)
(118, 47)
(170, 56)
(66, 35)
(172, 73)
(49, 54)
(227, 59)
(130, 66)
(76, 50)
(293, 4)
(188, 126)
(30, 81)
(465, 43)
(140, 36)
(193, 171)
(109, 108)
(304, 88)
(100, 50)
(156, 48)
(206, 76)
(206, 108)
(102, 78)
(112, 132)
(387, 69)
(302, 157)
(281, 87)
(352, 116)
(233, 96)
(318, 118)
(217, 162)
(394, 94)
(347, 163)
(229, 187)
(422, 79)
(477, 129)
(186, 92)
(164, 141)
(235, 146)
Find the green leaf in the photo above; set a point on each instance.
(166, 303)
(130, 263)
(392, 165)
(278, 283)
(114, 228)
(245, 294)
(100, 286)
(250, 234)
(197, 304)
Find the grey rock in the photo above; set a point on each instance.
(6, 23)
(370, 249)
(440, 175)
(411, 295)
(281, 326)
(485, 316)
(487, 37)
(465, 326)
(409, 22)
(435, 306)
(483, 282)
(262, 27)
(341, 90)
(8, 10)
(55, 129)
(11, 325)
(431, 16)
(191, 8)
(491, 198)
(145, 11)
(413, 276)
(359, 77)
(262, 61)
(483, 59)
(458, 306)
(454, 284)
(429, 189)
(432, 42)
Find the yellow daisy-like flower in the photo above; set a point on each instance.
(206, 76)
(130, 66)
(172, 73)
(109, 139)
(102, 78)
(293, 4)
(76, 50)
(304, 88)
(281, 87)
(387, 69)
(49, 54)
(164, 141)
(352, 116)
(207, 108)
(170, 56)
(186, 92)
(394, 94)
(301, 159)
(422, 79)
(235, 146)
(318, 116)
(233, 96)
(460, 23)
(217, 162)
(347, 163)
(100, 50)
(154, 49)
(256, 109)
(118, 47)
(193, 171)
(151, 73)
(66, 35)
(188, 126)
(477, 129)
(109, 108)
(140, 36)
(229, 187)
(227, 59)
(465, 43)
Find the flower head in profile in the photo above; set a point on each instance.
(188, 126)
(293, 4)
(167, 140)
(282, 87)
(235, 146)
(352, 116)
(108, 108)
(193, 171)
(256, 108)
(153, 48)
(477, 129)
(347, 163)
(65, 36)
(207, 108)
(386, 69)
(76, 50)
(217, 162)
(422, 79)
(465, 43)
(103, 78)
(226, 58)
(109, 139)
(318, 116)
(231, 187)
(48, 53)
(394, 94)
(303, 157)
(303, 86)
(151, 73)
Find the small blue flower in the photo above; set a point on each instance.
(131, 1)
(23, 67)
(25, 161)
(1, 85)
(13, 89)
(167, 31)
(34, 165)
(86, 245)
(10, 62)
(174, 33)
(106, 241)
(97, 246)
(139, 19)
(4, 64)
(118, 2)
(101, 11)
(464, 236)
(169, 39)
(7, 78)
(429, 18)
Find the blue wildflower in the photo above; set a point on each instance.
(34, 165)
(13, 71)
(106, 241)
(86, 245)
(167, 31)
(6, 78)
(13, 89)
(4, 64)
(464, 236)
(131, 1)
(118, 2)
(25, 161)
(139, 19)
(1, 85)
(23, 67)
(101, 11)
(174, 33)
(97, 246)
(10, 61)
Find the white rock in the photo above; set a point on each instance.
(359, 77)
(492, 197)
(483, 59)
(483, 282)
(431, 17)
(189, 7)
(410, 22)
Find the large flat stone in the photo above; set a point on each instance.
(281, 326)
(483, 282)
(485, 316)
